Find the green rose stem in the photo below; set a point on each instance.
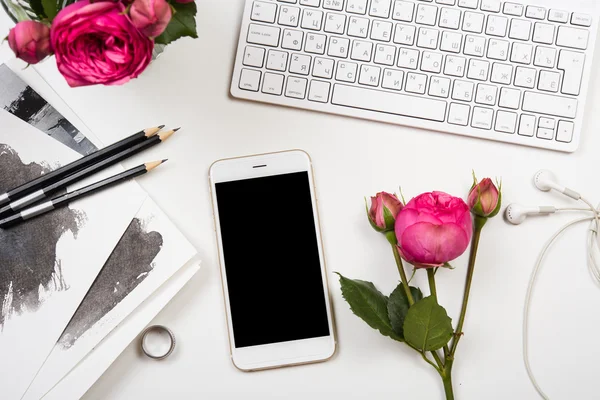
(400, 266)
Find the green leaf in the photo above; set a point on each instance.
(38, 8)
(50, 8)
(182, 24)
(427, 325)
(369, 304)
(398, 307)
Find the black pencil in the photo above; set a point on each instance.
(51, 177)
(81, 174)
(65, 199)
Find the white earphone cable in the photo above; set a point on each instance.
(592, 238)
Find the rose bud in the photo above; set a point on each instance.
(433, 229)
(383, 211)
(151, 17)
(485, 199)
(30, 41)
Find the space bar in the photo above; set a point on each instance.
(391, 103)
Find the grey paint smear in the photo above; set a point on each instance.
(128, 266)
(29, 268)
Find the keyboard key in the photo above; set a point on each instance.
(296, 87)
(361, 50)
(403, 11)
(546, 123)
(565, 131)
(502, 73)
(525, 77)
(550, 104)
(250, 79)
(459, 114)
(387, 102)
(535, 12)
(426, 15)
(581, 19)
(521, 53)
(404, 34)
(572, 64)
(473, 22)
(292, 39)
(549, 81)
(408, 58)
(513, 9)
(463, 90)
(546, 134)
(337, 5)
(338, 47)
(478, 70)
(381, 30)
(384, 54)
(572, 37)
(380, 8)
(263, 12)
(369, 75)
(273, 84)
(428, 38)
(323, 68)
(431, 62)
(543, 33)
(545, 57)
(346, 71)
(277, 60)
(312, 3)
(315, 43)
(312, 19)
(319, 91)
(498, 49)
(520, 29)
(496, 25)
(416, 83)
(506, 122)
(527, 125)
(558, 16)
(392, 79)
(455, 66)
(486, 94)
(265, 35)
(356, 6)
(450, 18)
(468, 4)
(300, 64)
(474, 46)
(451, 42)
(335, 23)
(439, 87)
(358, 27)
(254, 56)
(491, 5)
(510, 98)
(289, 16)
(482, 118)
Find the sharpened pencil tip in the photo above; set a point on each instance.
(151, 165)
(161, 126)
(176, 129)
(165, 135)
(165, 160)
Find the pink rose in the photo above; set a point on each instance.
(484, 199)
(432, 229)
(97, 43)
(151, 17)
(30, 41)
(384, 203)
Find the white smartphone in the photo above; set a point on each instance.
(272, 265)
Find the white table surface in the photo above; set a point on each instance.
(188, 86)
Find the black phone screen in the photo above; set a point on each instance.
(272, 259)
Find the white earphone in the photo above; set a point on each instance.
(515, 214)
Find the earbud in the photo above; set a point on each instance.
(517, 213)
(546, 181)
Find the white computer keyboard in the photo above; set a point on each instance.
(485, 68)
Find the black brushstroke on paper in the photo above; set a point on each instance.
(22, 101)
(129, 264)
(28, 261)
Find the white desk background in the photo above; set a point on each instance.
(189, 86)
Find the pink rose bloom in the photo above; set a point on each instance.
(484, 199)
(30, 41)
(432, 229)
(151, 17)
(379, 203)
(97, 43)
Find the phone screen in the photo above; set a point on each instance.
(272, 259)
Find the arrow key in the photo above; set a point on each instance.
(254, 56)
